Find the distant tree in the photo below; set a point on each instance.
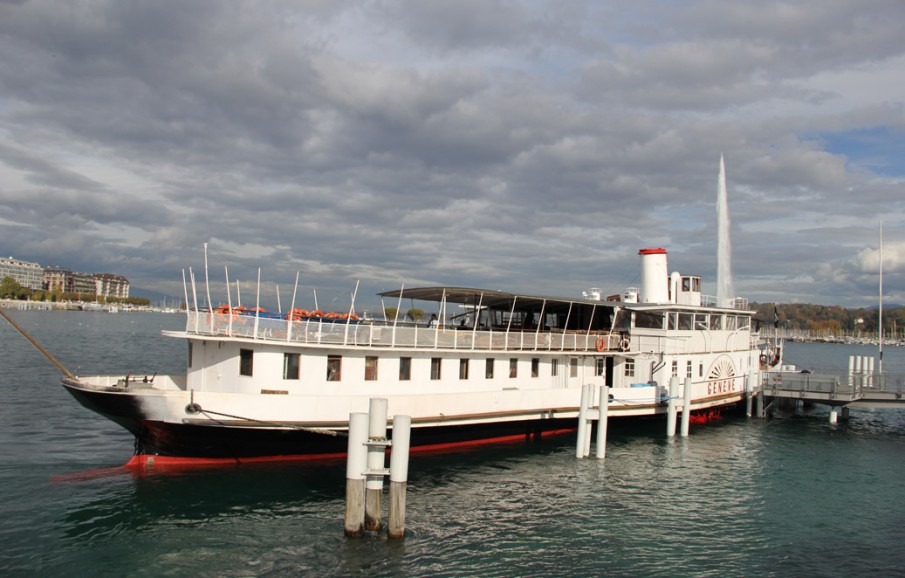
(390, 312)
(415, 313)
(10, 288)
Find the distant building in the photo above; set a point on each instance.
(66, 281)
(28, 275)
(110, 285)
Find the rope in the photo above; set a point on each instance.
(195, 408)
(37, 345)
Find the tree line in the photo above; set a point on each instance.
(831, 319)
(12, 289)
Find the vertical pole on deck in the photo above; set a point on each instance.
(686, 408)
(356, 464)
(604, 414)
(749, 392)
(671, 407)
(399, 468)
(851, 370)
(377, 435)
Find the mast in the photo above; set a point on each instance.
(880, 324)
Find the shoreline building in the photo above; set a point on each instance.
(27, 274)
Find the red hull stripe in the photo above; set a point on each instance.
(142, 461)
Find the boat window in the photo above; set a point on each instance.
(744, 322)
(371, 368)
(190, 354)
(622, 321)
(535, 367)
(716, 322)
(463, 368)
(513, 367)
(573, 367)
(672, 321)
(686, 321)
(675, 368)
(554, 367)
(630, 368)
(246, 362)
(731, 322)
(688, 370)
(648, 320)
(435, 368)
(488, 368)
(405, 368)
(290, 366)
(600, 366)
(334, 367)
(700, 370)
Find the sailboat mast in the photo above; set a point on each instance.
(880, 324)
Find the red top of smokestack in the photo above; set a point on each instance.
(657, 251)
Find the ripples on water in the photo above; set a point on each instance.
(784, 497)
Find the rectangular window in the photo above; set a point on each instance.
(701, 370)
(513, 367)
(246, 362)
(290, 366)
(405, 368)
(535, 367)
(554, 367)
(630, 368)
(190, 353)
(371, 368)
(573, 367)
(688, 370)
(435, 368)
(334, 367)
(600, 366)
(463, 369)
(675, 368)
(488, 368)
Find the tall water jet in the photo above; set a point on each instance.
(725, 292)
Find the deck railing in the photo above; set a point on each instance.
(856, 383)
(345, 333)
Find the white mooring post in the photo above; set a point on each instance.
(671, 406)
(399, 470)
(686, 408)
(749, 391)
(581, 449)
(834, 415)
(377, 444)
(356, 464)
(603, 416)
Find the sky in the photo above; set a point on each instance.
(518, 145)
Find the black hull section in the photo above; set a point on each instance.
(156, 438)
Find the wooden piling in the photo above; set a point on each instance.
(399, 465)
(356, 464)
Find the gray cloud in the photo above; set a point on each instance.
(502, 144)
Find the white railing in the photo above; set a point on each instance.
(343, 333)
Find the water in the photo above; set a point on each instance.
(782, 497)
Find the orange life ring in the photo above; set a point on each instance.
(601, 343)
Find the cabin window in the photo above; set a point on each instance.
(535, 366)
(246, 362)
(688, 370)
(599, 366)
(463, 369)
(716, 322)
(513, 367)
(334, 367)
(371, 368)
(435, 368)
(488, 368)
(405, 368)
(190, 353)
(630, 368)
(573, 367)
(701, 370)
(731, 322)
(554, 367)
(648, 320)
(672, 321)
(675, 368)
(290, 366)
(686, 321)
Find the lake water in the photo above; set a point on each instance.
(739, 497)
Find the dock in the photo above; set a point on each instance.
(861, 387)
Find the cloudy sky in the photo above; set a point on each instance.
(521, 145)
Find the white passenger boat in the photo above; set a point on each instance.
(493, 366)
